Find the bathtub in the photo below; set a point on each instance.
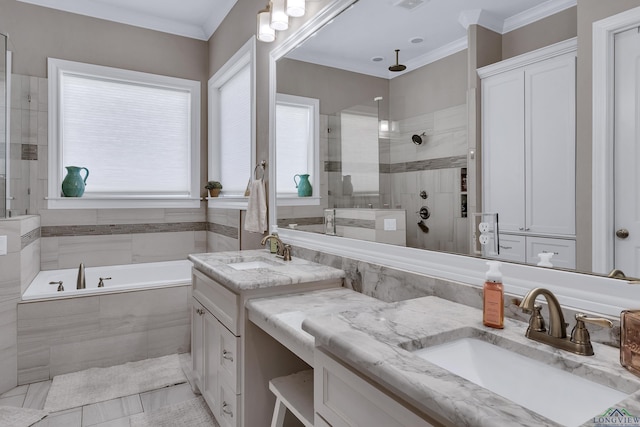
(124, 278)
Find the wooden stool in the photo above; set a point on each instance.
(295, 393)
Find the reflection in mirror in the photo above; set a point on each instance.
(425, 182)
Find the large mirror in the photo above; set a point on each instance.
(395, 156)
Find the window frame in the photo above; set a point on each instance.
(57, 68)
(291, 199)
(246, 55)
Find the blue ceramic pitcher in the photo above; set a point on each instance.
(303, 185)
(73, 184)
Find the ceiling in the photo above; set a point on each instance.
(196, 19)
(382, 26)
(385, 25)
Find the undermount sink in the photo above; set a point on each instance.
(252, 264)
(556, 394)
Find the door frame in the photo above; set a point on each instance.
(602, 202)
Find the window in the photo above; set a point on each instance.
(232, 126)
(297, 141)
(138, 134)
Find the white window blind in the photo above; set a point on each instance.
(360, 154)
(235, 131)
(294, 136)
(137, 133)
(134, 138)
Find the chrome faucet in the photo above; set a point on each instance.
(579, 343)
(283, 251)
(82, 283)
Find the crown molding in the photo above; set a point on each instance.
(480, 17)
(536, 13)
(99, 10)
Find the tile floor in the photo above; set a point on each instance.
(112, 413)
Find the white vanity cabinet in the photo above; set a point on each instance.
(528, 142)
(519, 248)
(215, 349)
(343, 398)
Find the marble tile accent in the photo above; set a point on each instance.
(316, 220)
(156, 399)
(115, 229)
(355, 223)
(36, 395)
(30, 237)
(29, 152)
(111, 410)
(223, 230)
(430, 164)
(333, 166)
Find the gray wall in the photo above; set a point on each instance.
(436, 86)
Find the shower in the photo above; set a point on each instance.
(417, 139)
(4, 137)
(397, 67)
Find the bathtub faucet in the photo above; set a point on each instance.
(82, 283)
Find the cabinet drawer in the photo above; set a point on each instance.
(343, 398)
(512, 248)
(229, 368)
(220, 301)
(229, 412)
(564, 251)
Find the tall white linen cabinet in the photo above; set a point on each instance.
(528, 153)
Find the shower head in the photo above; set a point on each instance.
(417, 139)
(397, 67)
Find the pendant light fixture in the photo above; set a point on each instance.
(264, 32)
(279, 17)
(397, 67)
(295, 8)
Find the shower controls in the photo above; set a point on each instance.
(425, 213)
(423, 194)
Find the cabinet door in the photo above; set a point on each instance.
(503, 148)
(550, 146)
(197, 338)
(345, 399)
(211, 335)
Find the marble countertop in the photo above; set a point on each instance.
(278, 273)
(378, 339)
(281, 316)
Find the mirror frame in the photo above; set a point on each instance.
(587, 292)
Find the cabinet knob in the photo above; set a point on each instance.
(226, 410)
(227, 355)
(622, 233)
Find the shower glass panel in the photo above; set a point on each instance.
(4, 140)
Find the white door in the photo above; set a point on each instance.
(627, 152)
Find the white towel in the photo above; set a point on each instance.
(256, 219)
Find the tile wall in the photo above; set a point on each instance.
(435, 167)
(68, 335)
(19, 266)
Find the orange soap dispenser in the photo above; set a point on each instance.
(493, 297)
